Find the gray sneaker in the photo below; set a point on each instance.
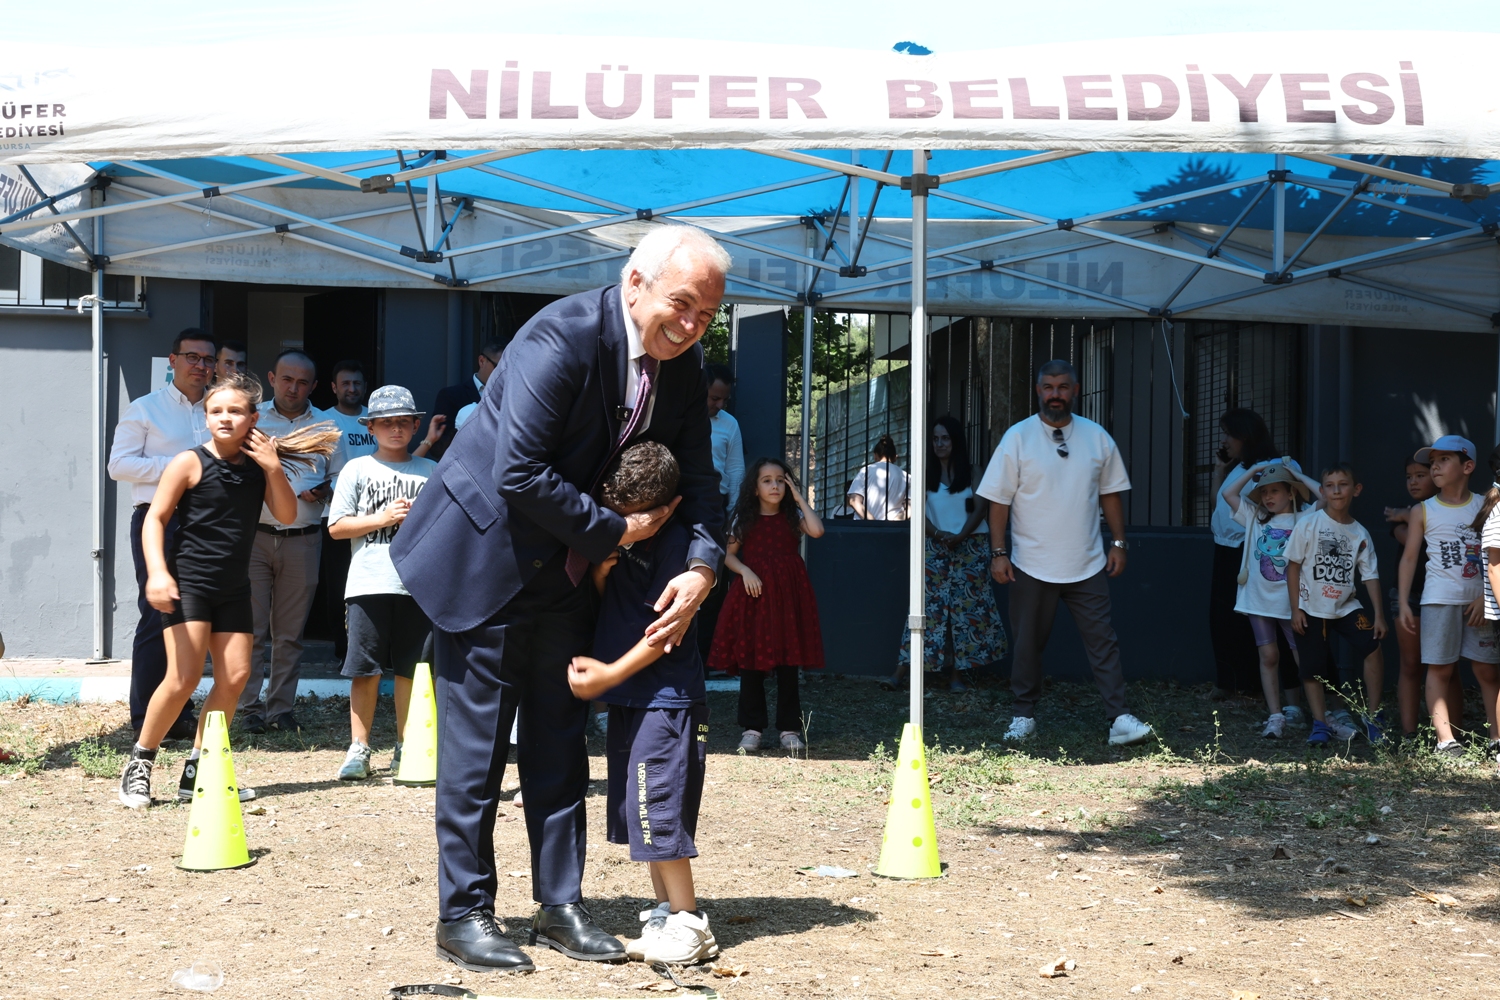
(793, 742)
(396, 761)
(750, 742)
(356, 763)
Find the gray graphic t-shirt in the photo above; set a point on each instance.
(367, 485)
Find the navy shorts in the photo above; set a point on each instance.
(1357, 629)
(656, 758)
(231, 613)
(386, 632)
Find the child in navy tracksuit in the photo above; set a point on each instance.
(657, 736)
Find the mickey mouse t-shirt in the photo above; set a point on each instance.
(1264, 592)
(1454, 562)
(1330, 553)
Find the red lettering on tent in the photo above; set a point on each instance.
(783, 90)
(1020, 100)
(901, 93)
(723, 89)
(966, 91)
(1297, 98)
(666, 92)
(1411, 96)
(1358, 86)
(1079, 93)
(1246, 93)
(593, 97)
(1136, 108)
(471, 101)
(541, 99)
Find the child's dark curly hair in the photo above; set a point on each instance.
(746, 512)
(645, 475)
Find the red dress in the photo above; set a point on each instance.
(780, 627)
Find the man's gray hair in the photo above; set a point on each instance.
(650, 257)
(1057, 366)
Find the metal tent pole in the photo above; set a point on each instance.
(1278, 229)
(97, 433)
(916, 489)
(807, 365)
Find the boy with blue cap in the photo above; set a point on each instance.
(387, 630)
(1452, 610)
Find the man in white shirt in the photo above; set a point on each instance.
(348, 378)
(284, 561)
(153, 430)
(729, 462)
(1046, 482)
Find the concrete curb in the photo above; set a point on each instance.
(104, 690)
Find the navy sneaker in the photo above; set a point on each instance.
(1321, 735)
(1375, 728)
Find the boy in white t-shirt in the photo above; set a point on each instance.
(1328, 555)
(1453, 623)
(387, 630)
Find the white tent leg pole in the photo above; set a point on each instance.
(96, 391)
(433, 230)
(807, 363)
(1278, 228)
(854, 207)
(917, 490)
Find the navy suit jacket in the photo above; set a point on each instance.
(515, 483)
(451, 399)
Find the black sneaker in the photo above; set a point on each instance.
(255, 725)
(1452, 749)
(185, 728)
(135, 784)
(286, 722)
(187, 781)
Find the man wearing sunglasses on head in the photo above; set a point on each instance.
(154, 429)
(1047, 482)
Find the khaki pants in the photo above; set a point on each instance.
(1033, 606)
(283, 580)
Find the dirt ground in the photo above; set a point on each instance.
(1212, 864)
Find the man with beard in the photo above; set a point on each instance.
(1046, 482)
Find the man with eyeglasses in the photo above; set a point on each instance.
(153, 430)
(451, 399)
(1047, 482)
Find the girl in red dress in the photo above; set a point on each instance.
(770, 617)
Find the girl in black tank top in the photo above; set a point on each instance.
(202, 586)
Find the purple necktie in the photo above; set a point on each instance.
(578, 563)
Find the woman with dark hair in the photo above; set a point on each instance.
(1246, 441)
(878, 492)
(963, 624)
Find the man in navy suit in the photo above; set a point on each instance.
(495, 555)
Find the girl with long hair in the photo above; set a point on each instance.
(964, 630)
(878, 491)
(202, 583)
(769, 624)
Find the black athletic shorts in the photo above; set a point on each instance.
(386, 632)
(656, 758)
(225, 613)
(1357, 629)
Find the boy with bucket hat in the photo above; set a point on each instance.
(387, 630)
(1453, 625)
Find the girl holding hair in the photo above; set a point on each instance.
(769, 623)
(1269, 513)
(202, 585)
(878, 492)
(963, 623)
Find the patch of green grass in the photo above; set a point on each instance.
(1318, 820)
(98, 759)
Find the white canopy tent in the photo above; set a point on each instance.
(535, 163)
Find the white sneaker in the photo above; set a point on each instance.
(653, 920)
(750, 742)
(356, 763)
(791, 741)
(684, 939)
(1341, 730)
(1275, 727)
(1022, 728)
(1128, 729)
(1294, 716)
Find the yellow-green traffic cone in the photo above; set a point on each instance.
(216, 827)
(419, 745)
(909, 848)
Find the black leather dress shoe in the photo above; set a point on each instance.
(477, 943)
(570, 929)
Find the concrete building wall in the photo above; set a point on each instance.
(46, 495)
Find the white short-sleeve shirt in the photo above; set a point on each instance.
(1335, 558)
(1489, 539)
(1054, 501)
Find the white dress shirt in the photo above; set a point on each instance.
(729, 453)
(154, 429)
(633, 367)
(301, 476)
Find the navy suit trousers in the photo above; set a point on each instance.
(148, 654)
(518, 659)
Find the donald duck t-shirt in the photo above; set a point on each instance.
(1264, 591)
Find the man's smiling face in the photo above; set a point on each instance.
(674, 311)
